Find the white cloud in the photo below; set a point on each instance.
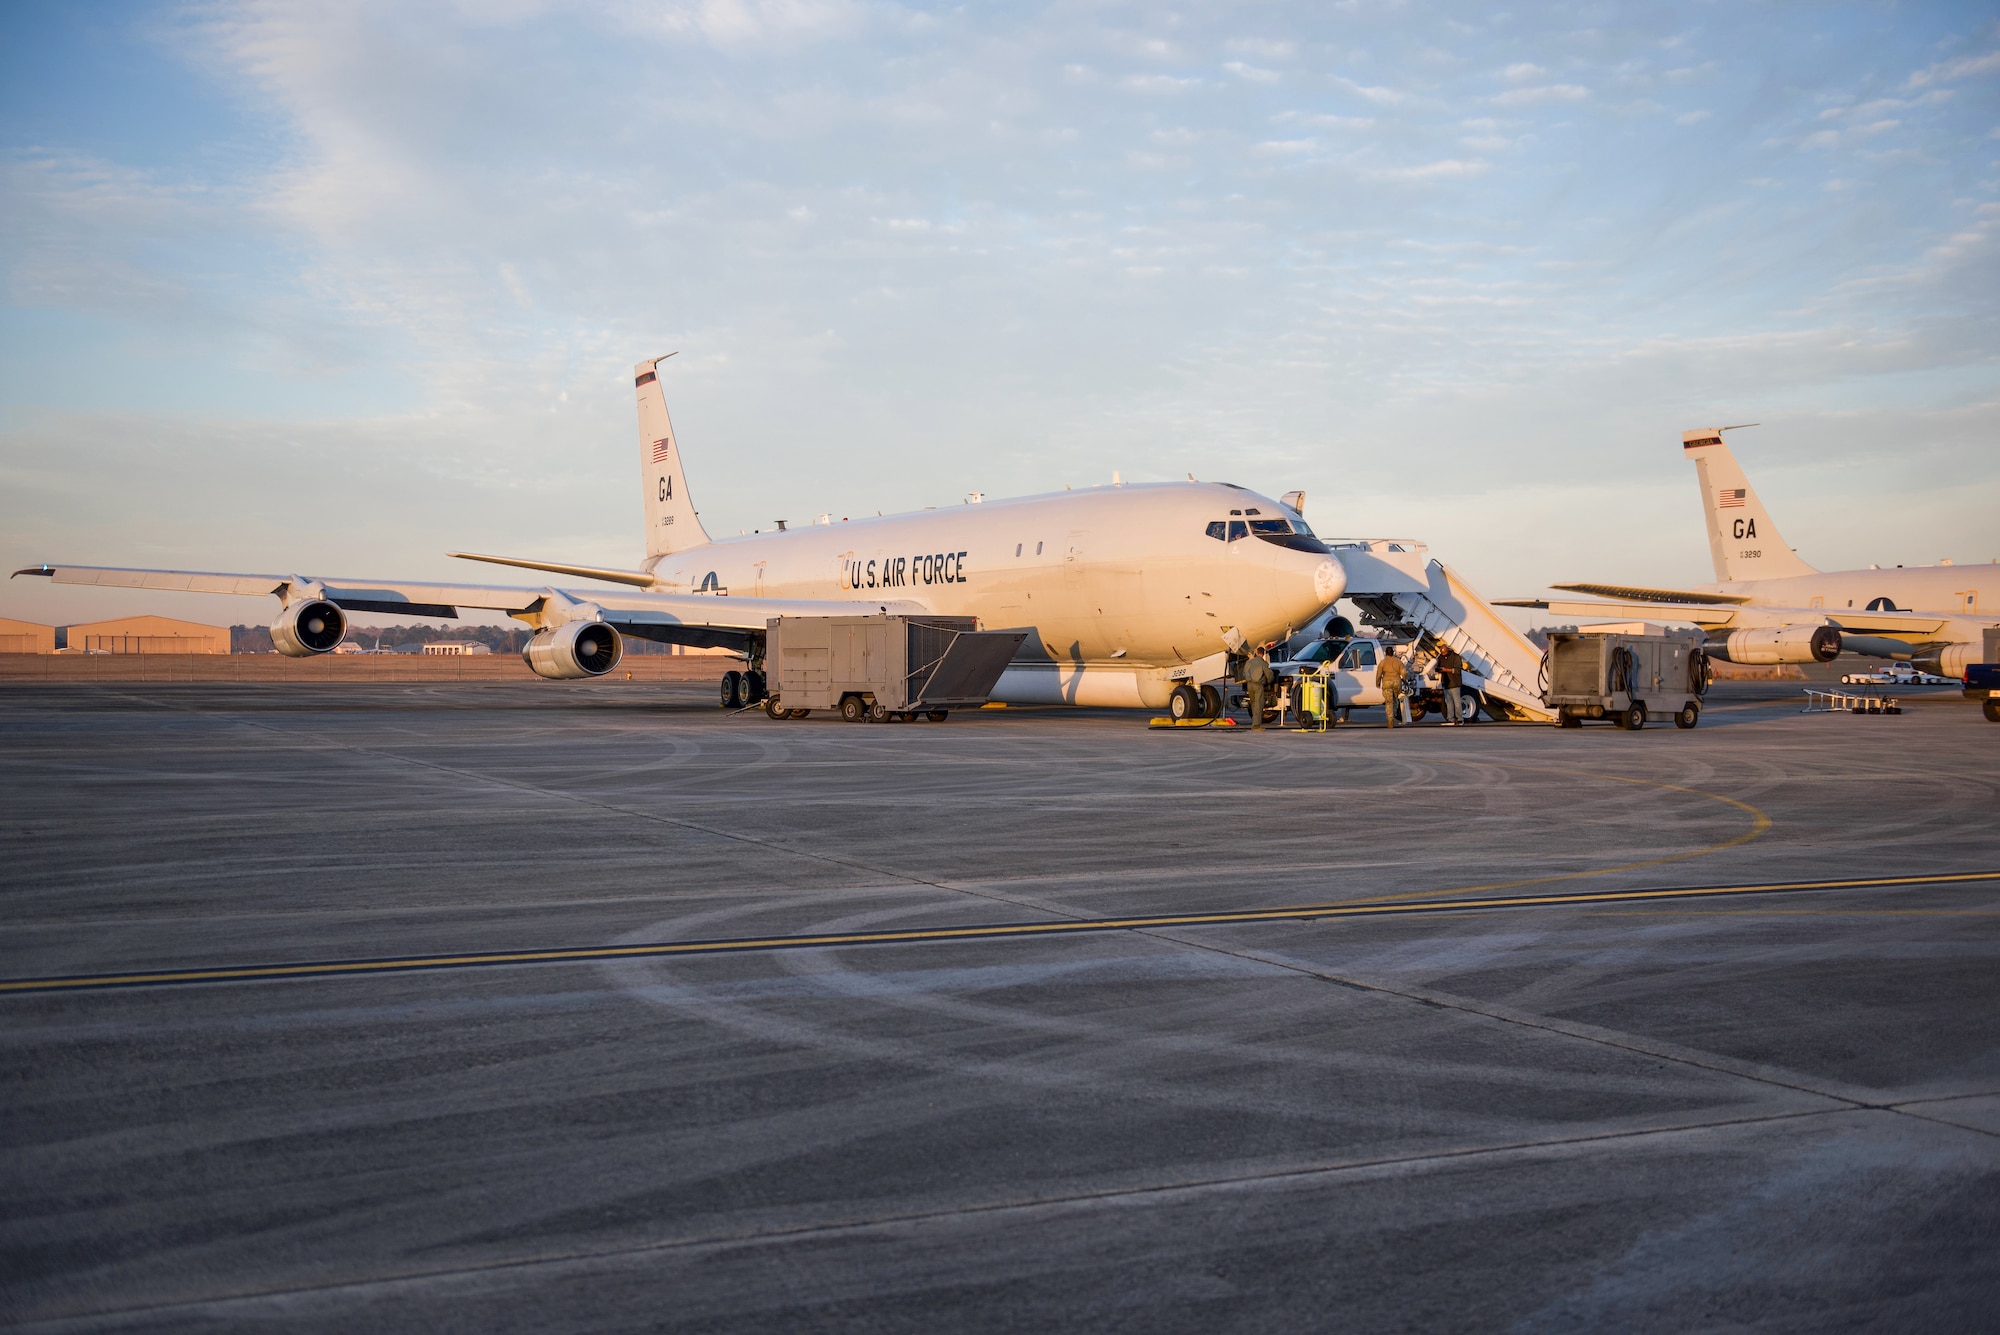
(737, 24)
(1158, 83)
(1432, 171)
(1388, 97)
(1553, 92)
(1522, 72)
(1949, 71)
(1251, 73)
(1324, 122)
(1263, 48)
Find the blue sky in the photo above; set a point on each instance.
(335, 288)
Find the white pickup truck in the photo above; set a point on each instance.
(1897, 674)
(1351, 665)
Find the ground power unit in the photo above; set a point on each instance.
(883, 668)
(1626, 679)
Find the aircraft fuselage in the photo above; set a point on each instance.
(1943, 590)
(1124, 575)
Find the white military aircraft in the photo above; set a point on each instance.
(1768, 606)
(1129, 594)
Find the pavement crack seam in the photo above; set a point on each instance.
(1712, 1062)
(1157, 1190)
(596, 804)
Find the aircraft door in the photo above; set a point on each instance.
(1356, 675)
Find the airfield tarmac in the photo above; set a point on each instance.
(1777, 1110)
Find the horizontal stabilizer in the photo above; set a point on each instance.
(638, 579)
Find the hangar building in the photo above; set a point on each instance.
(148, 635)
(26, 637)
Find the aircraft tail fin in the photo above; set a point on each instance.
(671, 522)
(1742, 540)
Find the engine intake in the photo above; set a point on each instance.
(577, 649)
(309, 627)
(1783, 644)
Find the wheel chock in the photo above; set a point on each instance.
(1224, 722)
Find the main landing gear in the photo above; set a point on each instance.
(740, 690)
(1186, 702)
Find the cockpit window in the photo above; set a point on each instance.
(1238, 529)
(1300, 526)
(1218, 530)
(1269, 526)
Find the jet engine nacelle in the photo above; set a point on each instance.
(575, 649)
(1951, 661)
(309, 626)
(1782, 644)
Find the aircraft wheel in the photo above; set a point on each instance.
(853, 708)
(772, 709)
(938, 715)
(1689, 716)
(1182, 704)
(753, 688)
(1211, 702)
(1992, 710)
(732, 690)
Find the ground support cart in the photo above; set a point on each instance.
(883, 668)
(1315, 701)
(1624, 678)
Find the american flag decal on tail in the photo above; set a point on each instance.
(662, 448)
(1732, 498)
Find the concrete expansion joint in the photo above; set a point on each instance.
(582, 1259)
(1583, 1033)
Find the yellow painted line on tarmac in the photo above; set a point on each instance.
(983, 932)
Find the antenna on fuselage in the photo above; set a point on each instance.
(1740, 426)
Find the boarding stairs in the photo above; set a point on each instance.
(1396, 585)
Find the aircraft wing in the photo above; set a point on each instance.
(662, 616)
(1913, 627)
(1634, 594)
(1707, 616)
